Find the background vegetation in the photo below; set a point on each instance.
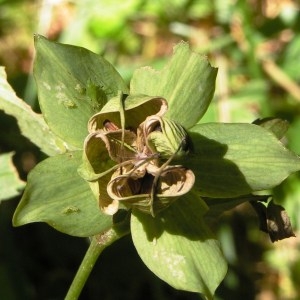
(256, 46)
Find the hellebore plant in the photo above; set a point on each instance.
(139, 161)
(141, 177)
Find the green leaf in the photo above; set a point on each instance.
(32, 125)
(57, 195)
(10, 184)
(230, 160)
(73, 84)
(179, 248)
(187, 83)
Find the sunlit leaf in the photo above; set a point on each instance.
(73, 84)
(187, 82)
(230, 160)
(32, 125)
(10, 184)
(179, 248)
(57, 195)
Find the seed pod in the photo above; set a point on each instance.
(148, 194)
(136, 109)
(166, 137)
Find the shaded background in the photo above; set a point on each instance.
(256, 46)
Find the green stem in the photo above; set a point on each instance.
(97, 245)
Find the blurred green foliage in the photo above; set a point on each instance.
(255, 44)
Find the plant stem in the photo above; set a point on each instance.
(97, 245)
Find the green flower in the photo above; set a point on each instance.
(131, 165)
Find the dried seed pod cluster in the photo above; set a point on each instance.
(128, 155)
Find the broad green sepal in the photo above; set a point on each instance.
(73, 84)
(179, 248)
(230, 160)
(57, 195)
(187, 83)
